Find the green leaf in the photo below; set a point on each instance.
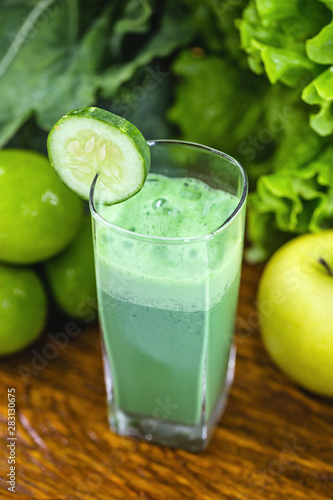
(264, 235)
(58, 56)
(205, 17)
(286, 204)
(320, 47)
(175, 30)
(290, 40)
(322, 167)
(277, 194)
(144, 101)
(134, 18)
(297, 145)
(300, 20)
(272, 11)
(47, 70)
(212, 106)
(320, 92)
(322, 217)
(288, 66)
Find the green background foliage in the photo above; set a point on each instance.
(254, 79)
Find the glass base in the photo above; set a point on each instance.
(193, 438)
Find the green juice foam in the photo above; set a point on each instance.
(173, 208)
(145, 272)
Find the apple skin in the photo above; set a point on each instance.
(295, 304)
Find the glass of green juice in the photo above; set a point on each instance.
(168, 263)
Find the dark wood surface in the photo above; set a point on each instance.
(274, 441)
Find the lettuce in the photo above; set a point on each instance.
(294, 195)
(291, 41)
(286, 204)
(211, 105)
(320, 92)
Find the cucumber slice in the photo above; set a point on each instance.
(90, 141)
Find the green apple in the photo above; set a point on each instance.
(295, 304)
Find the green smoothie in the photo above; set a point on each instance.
(167, 297)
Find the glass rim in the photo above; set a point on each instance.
(189, 239)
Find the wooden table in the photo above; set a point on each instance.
(274, 441)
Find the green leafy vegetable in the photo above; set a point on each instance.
(293, 196)
(144, 101)
(252, 78)
(290, 41)
(211, 104)
(320, 47)
(44, 70)
(320, 91)
(55, 57)
(174, 30)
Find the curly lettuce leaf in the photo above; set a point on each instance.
(288, 66)
(290, 202)
(290, 41)
(273, 34)
(285, 206)
(320, 92)
(320, 47)
(293, 194)
(298, 19)
(323, 217)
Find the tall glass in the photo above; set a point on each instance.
(167, 308)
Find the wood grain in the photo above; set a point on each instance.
(274, 441)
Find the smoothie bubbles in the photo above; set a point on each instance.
(168, 266)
